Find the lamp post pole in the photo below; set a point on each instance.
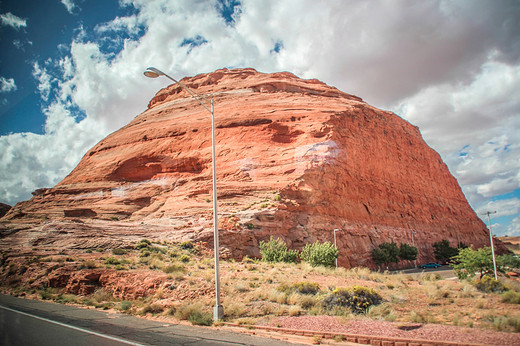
(152, 72)
(335, 230)
(413, 243)
(491, 241)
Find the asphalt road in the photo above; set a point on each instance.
(26, 322)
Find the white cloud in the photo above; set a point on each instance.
(69, 5)
(44, 80)
(503, 207)
(475, 127)
(514, 228)
(7, 85)
(9, 19)
(29, 161)
(452, 68)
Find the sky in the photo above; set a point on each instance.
(71, 73)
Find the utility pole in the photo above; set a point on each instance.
(491, 241)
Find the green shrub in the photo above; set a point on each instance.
(185, 258)
(174, 268)
(357, 298)
(317, 254)
(275, 250)
(201, 318)
(194, 314)
(143, 243)
(112, 260)
(118, 251)
(156, 249)
(125, 305)
(305, 287)
(489, 284)
(144, 253)
(186, 245)
(511, 297)
(151, 309)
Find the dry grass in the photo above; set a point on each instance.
(254, 291)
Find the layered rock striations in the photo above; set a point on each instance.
(296, 159)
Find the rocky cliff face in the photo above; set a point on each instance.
(296, 159)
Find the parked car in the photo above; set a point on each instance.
(430, 265)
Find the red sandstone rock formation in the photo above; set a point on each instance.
(295, 159)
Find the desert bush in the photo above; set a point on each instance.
(88, 264)
(294, 310)
(144, 253)
(184, 258)
(236, 309)
(100, 295)
(489, 285)
(143, 243)
(430, 277)
(118, 251)
(157, 249)
(155, 262)
(151, 309)
(275, 250)
(194, 314)
(357, 298)
(504, 323)
(511, 297)
(383, 311)
(324, 254)
(47, 293)
(300, 287)
(66, 299)
(186, 245)
(241, 287)
(125, 305)
(112, 260)
(174, 268)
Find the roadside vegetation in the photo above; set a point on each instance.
(176, 281)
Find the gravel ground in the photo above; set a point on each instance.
(433, 332)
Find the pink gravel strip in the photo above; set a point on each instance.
(433, 332)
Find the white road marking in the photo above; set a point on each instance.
(73, 327)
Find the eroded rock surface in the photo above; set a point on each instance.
(296, 159)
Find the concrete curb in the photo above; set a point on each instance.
(356, 338)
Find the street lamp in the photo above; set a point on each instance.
(335, 230)
(152, 72)
(413, 243)
(491, 241)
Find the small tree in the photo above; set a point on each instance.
(386, 253)
(320, 254)
(443, 251)
(275, 250)
(407, 252)
(469, 261)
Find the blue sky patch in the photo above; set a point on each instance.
(193, 42)
(278, 46)
(227, 8)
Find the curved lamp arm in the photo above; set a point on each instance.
(152, 72)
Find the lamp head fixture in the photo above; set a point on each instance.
(152, 72)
